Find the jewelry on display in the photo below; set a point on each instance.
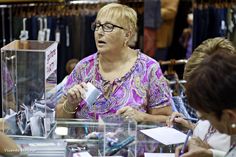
(66, 110)
(233, 125)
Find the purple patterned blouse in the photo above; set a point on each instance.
(143, 87)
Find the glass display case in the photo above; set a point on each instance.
(113, 136)
(107, 137)
(28, 81)
(83, 137)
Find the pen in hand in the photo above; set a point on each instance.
(185, 142)
(191, 119)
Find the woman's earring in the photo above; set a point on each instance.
(233, 125)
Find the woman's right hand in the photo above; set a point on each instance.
(76, 93)
(195, 148)
(177, 117)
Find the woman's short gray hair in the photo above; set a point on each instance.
(122, 13)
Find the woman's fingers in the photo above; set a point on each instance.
(72, 94)
(171, 119)
(76, 93)
(177, 150)
(126, 112)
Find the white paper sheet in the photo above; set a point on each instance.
(165, 135)
(159, 155)
(92, 94)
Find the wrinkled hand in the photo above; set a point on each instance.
(129, 112)
(196, 141)
(177, 117)
(195, 148)
(76, 93)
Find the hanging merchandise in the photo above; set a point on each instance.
(57, 35)
(41, 32)
(24, 34)
(46, 29)
(212, 19)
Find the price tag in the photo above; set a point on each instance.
(41, 35)
(24, 35)
(57, 36)
(47, 34)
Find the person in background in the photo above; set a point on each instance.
(164, 33)
(132, 84)
(186, 37)
(70, 65)
(215, 99)
(152, 21)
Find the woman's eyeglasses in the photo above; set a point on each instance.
(106, 27)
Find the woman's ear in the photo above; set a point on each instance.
(128, 33)
(231, 114)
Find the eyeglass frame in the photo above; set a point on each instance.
(95, 28)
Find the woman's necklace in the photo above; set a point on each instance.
(210, 132)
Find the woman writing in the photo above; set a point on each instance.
(216, 144)
(215, 101)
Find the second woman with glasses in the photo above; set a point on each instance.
(132, 84)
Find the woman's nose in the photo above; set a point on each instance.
(100, 30)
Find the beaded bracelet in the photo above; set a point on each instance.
(69, 112)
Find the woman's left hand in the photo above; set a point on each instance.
(129, 112)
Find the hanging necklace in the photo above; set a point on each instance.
(210, 132)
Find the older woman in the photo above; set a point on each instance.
(215, 98)
(132, 83)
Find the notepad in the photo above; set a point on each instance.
(165, 135)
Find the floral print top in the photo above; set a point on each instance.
(144, 87)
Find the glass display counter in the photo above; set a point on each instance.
(146, 144)
(74, 137)
(79, 137)
(105, 137)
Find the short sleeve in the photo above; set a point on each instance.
(159, 92)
